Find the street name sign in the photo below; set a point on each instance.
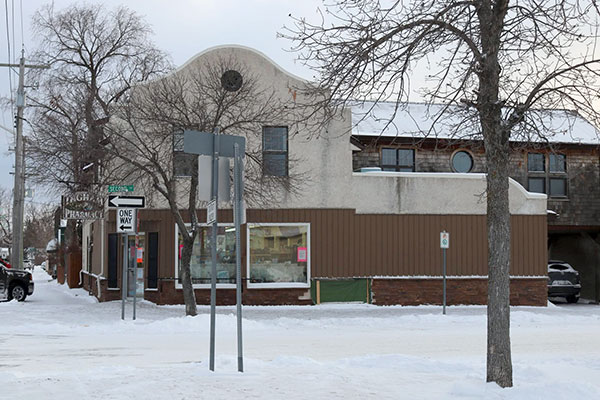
(126, 220)
(120, 188)
(126, 201)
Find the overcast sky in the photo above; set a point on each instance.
(182, 28)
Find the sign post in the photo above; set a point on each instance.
(238, 190)
(228, 146)
(124, 285)
(126, 223)
(444, 245)
(213, 248)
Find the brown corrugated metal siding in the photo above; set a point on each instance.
(348, 245)
(345, 244)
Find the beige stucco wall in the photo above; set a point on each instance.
(435, 193)
(321, 159)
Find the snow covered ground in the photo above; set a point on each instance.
(62, 344)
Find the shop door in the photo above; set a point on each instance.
(136, 265)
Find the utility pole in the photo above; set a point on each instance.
(19, 188)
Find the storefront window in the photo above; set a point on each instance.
(201, 262)
(279, 255)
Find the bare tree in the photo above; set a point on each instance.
(500, 63)
(39, 226)
(95, 57)
(5, 217)
(150, 125)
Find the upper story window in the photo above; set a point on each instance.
(402, 160)
(536, 162)
(547, 174)
(275, 150)
(462, 161)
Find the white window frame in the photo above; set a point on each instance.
(176, 264)
(278, 285)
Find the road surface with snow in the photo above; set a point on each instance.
(62, 344)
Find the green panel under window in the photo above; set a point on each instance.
(343, 291)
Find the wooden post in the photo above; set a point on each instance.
(318, 291)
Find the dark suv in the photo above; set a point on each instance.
(563, 281)
(15, 284)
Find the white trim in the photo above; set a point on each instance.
(278, 285)
(94, 275)
(179, 286)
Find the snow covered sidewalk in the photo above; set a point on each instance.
(62, 344)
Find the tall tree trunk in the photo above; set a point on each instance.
(497, 150)
(499, 363)
(189, 297)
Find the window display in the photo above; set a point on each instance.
(279, 255)
(201, 261)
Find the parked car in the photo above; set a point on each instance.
(563, 281)
(15, 284)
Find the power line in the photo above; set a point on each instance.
(9, 58)
(22, 34)
(13, 27)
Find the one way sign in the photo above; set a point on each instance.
(127, 201)
(126, 220)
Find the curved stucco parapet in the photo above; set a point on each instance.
(524, 202)
(435, 193)
(238, 49)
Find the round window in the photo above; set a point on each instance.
(462, 161)
(231, 80)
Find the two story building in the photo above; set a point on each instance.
(565, 166)
(339, 235)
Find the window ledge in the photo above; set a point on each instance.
(207, 286)
(279, 285)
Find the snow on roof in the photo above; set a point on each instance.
(418, 120)
(52, 246)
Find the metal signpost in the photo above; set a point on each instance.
(238, 189)
(444, 244)
(229, 146)
(127, 222)
(213, 248)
